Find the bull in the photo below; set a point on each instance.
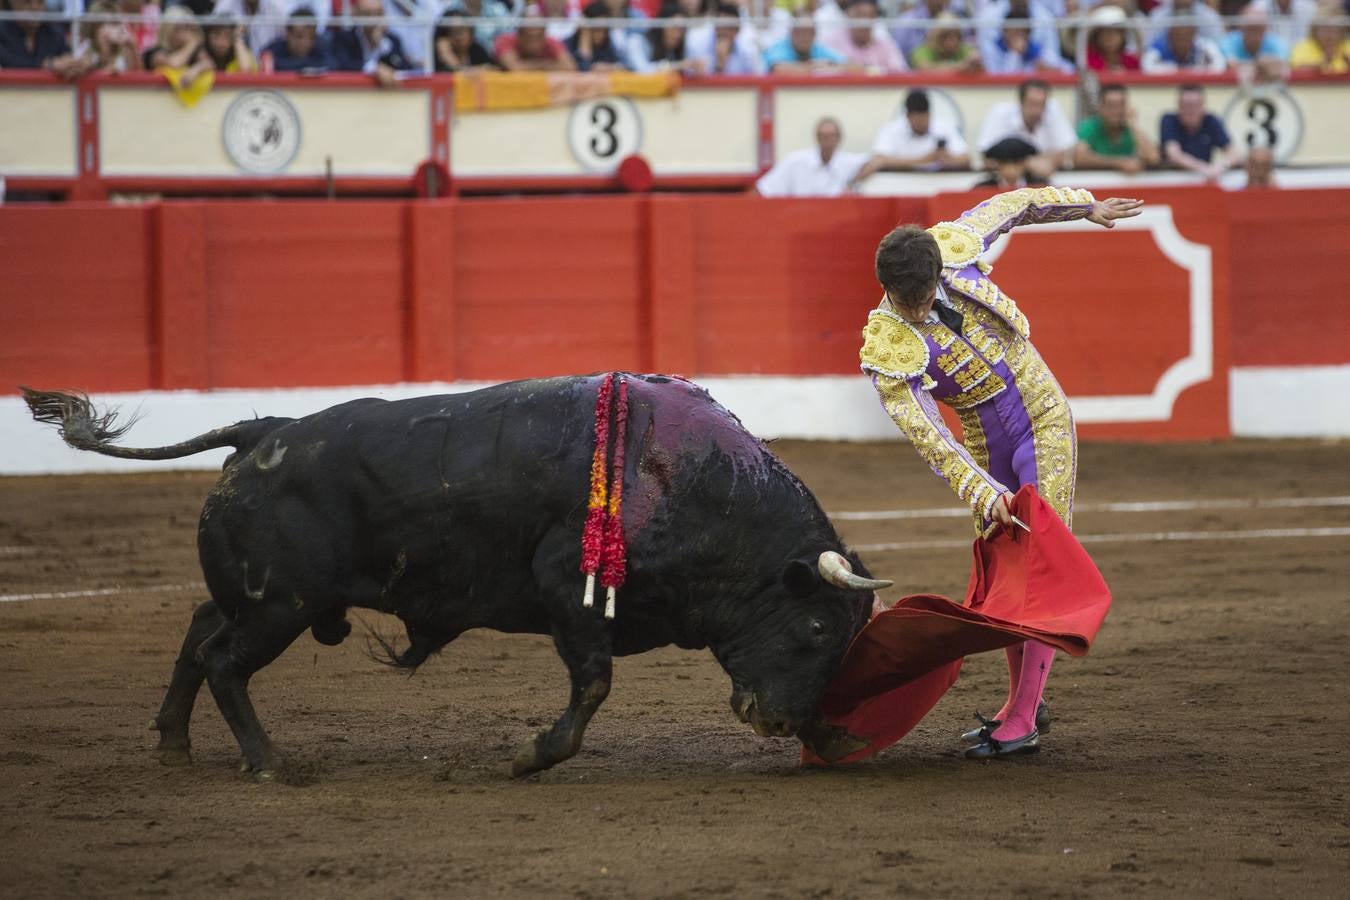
(465, 511)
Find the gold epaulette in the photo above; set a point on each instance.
(960, 244)
(892, 347)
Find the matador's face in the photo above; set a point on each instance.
(915, 314)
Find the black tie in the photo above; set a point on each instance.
(948, 316)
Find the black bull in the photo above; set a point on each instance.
(466, 511)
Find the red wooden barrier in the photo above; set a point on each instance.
(282, 294)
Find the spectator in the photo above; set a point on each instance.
(591, 46)
(725, 48)
(865, 46)
(301, 49)
(568, 10)
(1253, 48)
(1107, 41)
(224, 49)
(915, 143)
(1290, 19)
(1016, 52)
(456, 46)
(486, 33)
(1182, 49)
(1207, 22)
(995, 15)
(142, 22)
(1035, 118)
(910, 37)
(370, 48)
(1326, 48)
(530, 49)
(179, 39)
(263, 17)
(1011, 157)
(947, 49)
(801, 52)
(32, 44)
(107, 46)
(1260, 168)
(1111, 139)
(630, 44)
(821, 171)
(1191, 135)
(666, 44)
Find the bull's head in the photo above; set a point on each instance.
(786, 643)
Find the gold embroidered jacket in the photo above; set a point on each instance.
(916, 366)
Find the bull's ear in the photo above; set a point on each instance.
(800, 578)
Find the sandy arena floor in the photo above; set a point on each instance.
(1198, 751)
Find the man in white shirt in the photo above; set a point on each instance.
(822, 171)
(915, 143)
(1036, 119)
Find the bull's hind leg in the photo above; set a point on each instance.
(188, 674)
(263, 631)
(582, 639)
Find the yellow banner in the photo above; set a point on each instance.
(487, 91)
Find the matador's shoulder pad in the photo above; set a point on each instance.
(960, 244)
(892, 347)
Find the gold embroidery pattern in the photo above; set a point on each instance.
(955, 358)
(893, 347)
(972, 435)
(936, 445)
(987, 389)
(960, 244)
(987, 294)
(972, 374)
(990, 347)
(1052, 431)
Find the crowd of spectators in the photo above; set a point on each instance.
(1267, 38)
(1023, 142)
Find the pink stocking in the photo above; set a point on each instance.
(1021, 717)
(1014, 654)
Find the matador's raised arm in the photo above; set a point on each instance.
(1027, 206)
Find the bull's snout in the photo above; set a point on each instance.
(766, 723)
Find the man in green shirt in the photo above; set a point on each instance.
(1110, 140)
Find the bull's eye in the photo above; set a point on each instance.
(817, 627)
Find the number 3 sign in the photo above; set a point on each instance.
(1265, 116)
(602, 132)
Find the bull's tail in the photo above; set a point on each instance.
(85, 427)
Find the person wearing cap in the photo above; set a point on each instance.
(820, 171)
(945, 333)
(1111, 139)
(1009, 157)
(915, 143)
(1035, 118)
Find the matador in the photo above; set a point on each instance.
(945, 333)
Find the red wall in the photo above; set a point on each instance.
(277, 294)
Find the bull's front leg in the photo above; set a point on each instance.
(583, 643)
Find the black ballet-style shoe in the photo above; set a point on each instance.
(993, 748)
(977, 735)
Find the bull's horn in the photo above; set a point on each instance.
(836, 570)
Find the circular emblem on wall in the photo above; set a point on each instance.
(603, 132)
(261, 132)
(1265, 116)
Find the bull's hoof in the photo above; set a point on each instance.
(530, 757)
(175, 755)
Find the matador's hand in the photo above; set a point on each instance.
(1002, 511)
(1105, 212)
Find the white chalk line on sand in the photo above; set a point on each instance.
(1133, 537)
(104, 592)
(958, 512)
(1119, 538)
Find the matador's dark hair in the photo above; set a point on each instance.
(908, 263)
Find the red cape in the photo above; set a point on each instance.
(1041, 586)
